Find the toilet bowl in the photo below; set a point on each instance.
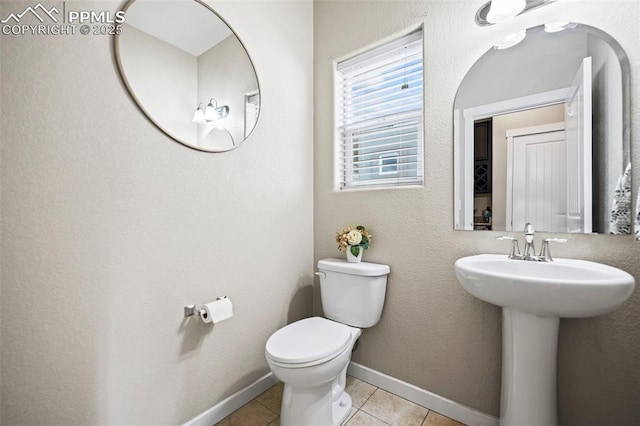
(311, 358)
(311, 355)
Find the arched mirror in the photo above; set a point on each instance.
(189, 73)
(541, 134)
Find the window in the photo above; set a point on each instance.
(251, 111)
(379, 116)
(388, 163)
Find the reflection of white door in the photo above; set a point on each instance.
(578, 124)
(536, 178)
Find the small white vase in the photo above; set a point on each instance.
(354, 259)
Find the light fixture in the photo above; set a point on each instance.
(511, 40)
(496, 11)
(198, 117)
(501, 10)
(211, 113)
(554, 27)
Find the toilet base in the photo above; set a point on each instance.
(314, 394)
(314, 406)
(341, 409)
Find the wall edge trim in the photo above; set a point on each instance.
(232, 403)
(437, 403)
(430, 400)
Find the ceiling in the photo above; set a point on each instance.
(185, 24)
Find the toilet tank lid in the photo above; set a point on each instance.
(366, 269)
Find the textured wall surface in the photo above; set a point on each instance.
(109, 228)
(168, 92)
(433, 334)
(225, 73)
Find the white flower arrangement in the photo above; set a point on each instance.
(353, 239)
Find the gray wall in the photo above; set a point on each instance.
(226, 74)
(109, 228)
(432, 333)
(169, 92)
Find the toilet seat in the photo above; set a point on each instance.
(308, 342)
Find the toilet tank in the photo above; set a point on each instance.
(352, 293)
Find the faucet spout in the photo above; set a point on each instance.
(528, 229)
(529, 252)
(529, 247)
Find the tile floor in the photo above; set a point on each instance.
(372, 406)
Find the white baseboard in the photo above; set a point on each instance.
(221, 410)
(434, 402)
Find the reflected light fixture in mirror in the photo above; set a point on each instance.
(554, 27)
(501, 10)
(172, 55)
(497, 11)
(198, 116)
(211, 113)
(511, 40)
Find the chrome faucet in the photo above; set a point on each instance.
(545, 252)
(515, 248)
(529, 246)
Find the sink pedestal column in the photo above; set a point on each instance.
(529, 354)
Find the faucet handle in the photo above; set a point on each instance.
(529, 229)
(545, 252)
(555, 240)
(515, 248)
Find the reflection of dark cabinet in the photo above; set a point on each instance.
(482, 138)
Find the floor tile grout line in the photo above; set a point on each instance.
(410, 402)
(368, 398)
(349, 418)
(368, 413)
(256, 400)
(377, 418)
(425, 417)
(360, 408)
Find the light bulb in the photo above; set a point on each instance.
(511, 41)
(198, 117)
(210, 111)
(554, 27)
(501, 10)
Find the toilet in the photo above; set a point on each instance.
(311, 355)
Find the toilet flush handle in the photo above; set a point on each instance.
(321, 274)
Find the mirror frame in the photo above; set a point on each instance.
(140, 105)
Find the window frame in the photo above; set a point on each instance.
(345, 142)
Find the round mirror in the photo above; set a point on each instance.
(541, 134)
(189, 73)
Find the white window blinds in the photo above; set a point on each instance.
(251, 112)
(379, 116)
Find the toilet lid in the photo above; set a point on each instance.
(308, 340)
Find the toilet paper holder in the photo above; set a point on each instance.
(191, 310)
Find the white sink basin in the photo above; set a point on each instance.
(562, 288)
(534, 296)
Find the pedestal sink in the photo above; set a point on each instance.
(534, 296)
